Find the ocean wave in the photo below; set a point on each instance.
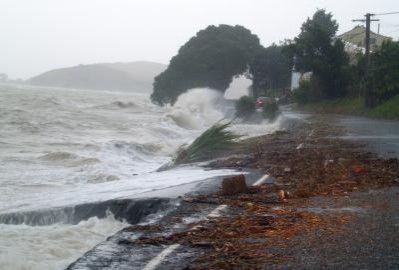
(69, 159)
(197, 109)
(133, 148)
(56, 156)
(123, 105)
(102, 178)
(135, 106)
(84, 162)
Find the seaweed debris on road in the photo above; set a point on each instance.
(284, 224)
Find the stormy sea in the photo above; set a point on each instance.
(62, 149)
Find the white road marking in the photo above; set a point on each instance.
(261, 180)
(196, 227)
(161, 256)
(216, 212)
(300, 146)
(155, 262)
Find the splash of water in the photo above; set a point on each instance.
(197, 109)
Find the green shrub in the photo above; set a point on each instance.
(270, 111)
(245, 107)
(302, 94)
(308, 91)
(389, 109)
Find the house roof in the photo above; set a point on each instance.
(362, 29)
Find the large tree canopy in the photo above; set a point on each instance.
(271, 69)
(210, 59)
(318, 52)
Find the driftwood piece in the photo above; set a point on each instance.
(234, 185)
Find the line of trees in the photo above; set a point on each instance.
(271, 69)
(218, 53)
(214, 56)
(318, 51)
(210, 59)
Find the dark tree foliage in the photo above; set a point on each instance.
(385, 71)
(318, 52)
(245, 107)
(271, 69)
(210, 59)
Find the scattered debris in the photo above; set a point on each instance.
(281, 195)
(262, 223)
(287, 170)
(146, 228)
(358, 169)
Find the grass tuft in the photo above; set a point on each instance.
(208, 145)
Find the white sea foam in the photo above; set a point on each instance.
(197, 109)
(66, 147)
(24, 247)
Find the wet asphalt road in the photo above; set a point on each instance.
(379, 136)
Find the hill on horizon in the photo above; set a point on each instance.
(130, 76)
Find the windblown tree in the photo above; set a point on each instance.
(317, 51)
(210, 59)
(271, 69)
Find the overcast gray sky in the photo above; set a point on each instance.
(39, 35)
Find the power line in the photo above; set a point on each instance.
(388, 13)
(390, 24)
(393, 31)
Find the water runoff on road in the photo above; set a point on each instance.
(62, 147)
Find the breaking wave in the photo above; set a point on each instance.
(197, 109)
(56, 156)
(85, 146)
(56, 245)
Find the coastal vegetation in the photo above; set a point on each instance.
(215, 56)
(383, 80)
(209, 59)
(388, 109)
(385, 71)
(209, 144)
(270, 70)
(334, 78)
(245, 107)
(318, 52)
(336, 86)
(270, 111)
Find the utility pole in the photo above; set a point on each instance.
(369, 96)
(369, 99)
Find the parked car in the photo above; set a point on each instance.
(262, 101)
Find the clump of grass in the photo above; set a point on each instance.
(245, 107)
(279, 133)
(389, 109)
(270, 111)
(208, 145)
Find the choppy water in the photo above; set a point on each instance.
(62, 147)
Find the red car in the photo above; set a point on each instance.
(262, 101)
